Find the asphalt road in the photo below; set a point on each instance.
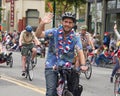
(13, 84)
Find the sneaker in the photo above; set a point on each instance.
(23, 73)
(111, 79)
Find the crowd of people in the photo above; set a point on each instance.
(66, 48)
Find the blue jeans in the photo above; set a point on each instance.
(101, 57)
(51, 82)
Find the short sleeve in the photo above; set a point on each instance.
(50, 32)
(78, 43)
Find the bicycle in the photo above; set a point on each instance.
(29, 66)
(117, 84)
(62, 89)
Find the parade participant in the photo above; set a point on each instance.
(62, 44)
(27, 39)
(86, 38)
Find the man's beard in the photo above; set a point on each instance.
(66, 32)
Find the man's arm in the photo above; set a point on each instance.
(20, 39)
(81, 57)
(39, 31)
(47, 19)
(82, 61)
(37, 42)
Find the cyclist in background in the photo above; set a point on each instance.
(4, 54)
(86, 40)
(62, 43)
(117, 60)
(27, 39)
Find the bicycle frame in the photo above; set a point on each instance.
(63, 71)
(29, 66)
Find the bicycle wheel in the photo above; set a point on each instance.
(67, 93)
(88, 72)
(117, 86)
(29, 68)
(30, 72)
(10, 61)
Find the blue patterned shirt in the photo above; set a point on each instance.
(64, 57)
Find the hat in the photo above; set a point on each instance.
(83, 27)
(106, 33)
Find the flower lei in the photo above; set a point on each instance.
(63, 46)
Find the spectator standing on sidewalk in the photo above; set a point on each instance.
(106, 39)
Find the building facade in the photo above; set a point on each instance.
(17, 14)
(108, 12)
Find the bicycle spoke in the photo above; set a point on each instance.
(30, 72)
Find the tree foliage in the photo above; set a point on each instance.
(65, 5)
(1, 13)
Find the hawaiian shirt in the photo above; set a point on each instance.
(60, 50)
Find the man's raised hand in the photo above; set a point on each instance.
(47, 18)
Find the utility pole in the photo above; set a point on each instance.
(54, 12)
(95, 21)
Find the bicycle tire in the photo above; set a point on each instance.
(30, 71)
(29, 68)
(67, 93)
(88, 73)
(11, 62)
(116, 86)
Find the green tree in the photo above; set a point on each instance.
(1, 13)
(65, 5)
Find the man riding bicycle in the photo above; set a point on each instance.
(62, 43)
(26, 42)
(86, 40)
